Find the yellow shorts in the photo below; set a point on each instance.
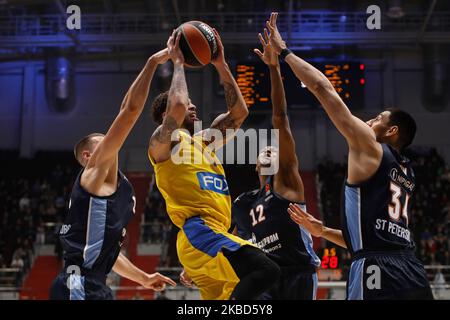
(199, 250)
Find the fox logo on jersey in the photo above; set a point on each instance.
(213, 182)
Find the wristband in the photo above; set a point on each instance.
(284, 53)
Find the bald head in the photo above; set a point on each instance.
(86, 146)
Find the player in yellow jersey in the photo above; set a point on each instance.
(221, 265)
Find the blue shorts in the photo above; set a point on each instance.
(294, 284)
(387, 276)
(80, 287)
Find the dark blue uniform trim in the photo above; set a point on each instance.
(205, 239)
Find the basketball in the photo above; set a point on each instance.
(198, 43)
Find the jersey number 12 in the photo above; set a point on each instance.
(260, 211)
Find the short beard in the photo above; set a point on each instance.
(189, 126)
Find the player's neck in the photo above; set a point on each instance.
(191, 133)
(395, 147)
(189, 128)
(262, 180)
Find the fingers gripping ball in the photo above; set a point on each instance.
(198, 43)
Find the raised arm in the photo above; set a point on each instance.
(314, 226)
(125, 268)
(130, 110)
(358, 134)
(105, 154)
(288, 161)
(237, 108)
(177, 104)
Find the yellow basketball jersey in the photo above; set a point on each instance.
(193, 183)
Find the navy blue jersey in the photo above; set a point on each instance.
(261, 217)
(375, 212)
(94, 227)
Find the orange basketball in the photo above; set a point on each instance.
(198, 43)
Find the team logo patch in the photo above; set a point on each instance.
(64, 228)
(213, 182)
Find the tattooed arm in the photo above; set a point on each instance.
(177, 104)
(237, 108)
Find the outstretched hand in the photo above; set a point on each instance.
(275, 39)
(157, 282)
(186, 280)
(219, 59)
(304, 219)
(173, 46)
(268, 56)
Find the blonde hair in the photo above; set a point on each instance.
(83, 144)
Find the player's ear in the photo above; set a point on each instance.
(85, 155)
(392, 131)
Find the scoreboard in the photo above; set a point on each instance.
(253, 79)
(330, 259)
(330, 268)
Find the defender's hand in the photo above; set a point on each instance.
(268, 56)
(173, 46)
(161, 56)
(304, 219)
(157, 281)
(275, 40)
(219, 59)
(186, 280)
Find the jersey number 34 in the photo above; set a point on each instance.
(396, 206)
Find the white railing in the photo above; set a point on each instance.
(440, 290)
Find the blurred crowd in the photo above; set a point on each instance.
(157, 228)
(431, 208)
(430, 214)
(32, 207)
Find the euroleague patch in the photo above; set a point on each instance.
(213, 182)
